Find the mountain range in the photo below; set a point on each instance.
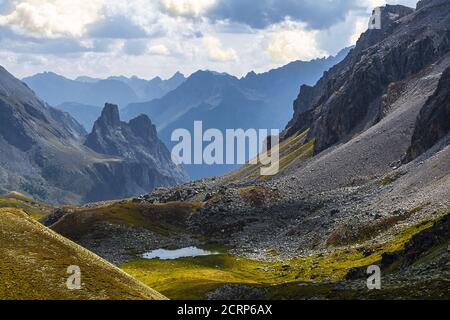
(222, 101)
(84, 96)
(364, 184)
(55, 89)
(219, 100)
(44, 153)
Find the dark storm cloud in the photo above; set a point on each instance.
(263, 13)
(117, 27)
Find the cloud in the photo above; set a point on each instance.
(135, 47)
(57, 46)
(377, 3)
(187, 8)
(159, 37)
(159, 50)
(18, 44)
(116, 27)
(262, 13)
(293, 41)
(216, 52)
(52, 18)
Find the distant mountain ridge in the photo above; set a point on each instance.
(222, 101)
(57, 90)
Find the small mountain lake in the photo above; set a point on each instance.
(176, 254)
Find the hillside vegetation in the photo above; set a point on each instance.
(317, 275)
(35, 260)
(35, 209)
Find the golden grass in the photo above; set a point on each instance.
(257, 196)
(34, 262)
(165, 219)
(291, 150)
(34, 209)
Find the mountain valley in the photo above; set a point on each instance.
(364, 181)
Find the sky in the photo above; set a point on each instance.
(148, 38)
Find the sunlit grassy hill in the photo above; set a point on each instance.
(34, 262)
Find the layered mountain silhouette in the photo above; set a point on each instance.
(152, 89)
(57, 90)
(43, 152)
(221, 101)
(84, 97)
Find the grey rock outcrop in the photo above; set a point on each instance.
(433, 122)
(350, 97)
(145, 161)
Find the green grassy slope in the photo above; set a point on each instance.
(164, 219)
(35, 209)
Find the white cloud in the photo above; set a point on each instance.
(361, 24)
(159, 37)
(52, 18)
(292, 41)
(187, 8)
(377, 3)
(159, 50)
(216, 52)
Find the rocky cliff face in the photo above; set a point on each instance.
(352, 96)
(39, 146)
(145, 161)
(42, 153)
(433, 122)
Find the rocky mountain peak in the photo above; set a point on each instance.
(389, 19)
(177, 76)
(144, 161)
(143, 127)
(391, 13)
(110, 116)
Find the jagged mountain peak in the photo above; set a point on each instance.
(136, 142)
(50, 74)
(143, 127)
(208, 74)
(177, 75)
(390, 18)
(110, 116)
